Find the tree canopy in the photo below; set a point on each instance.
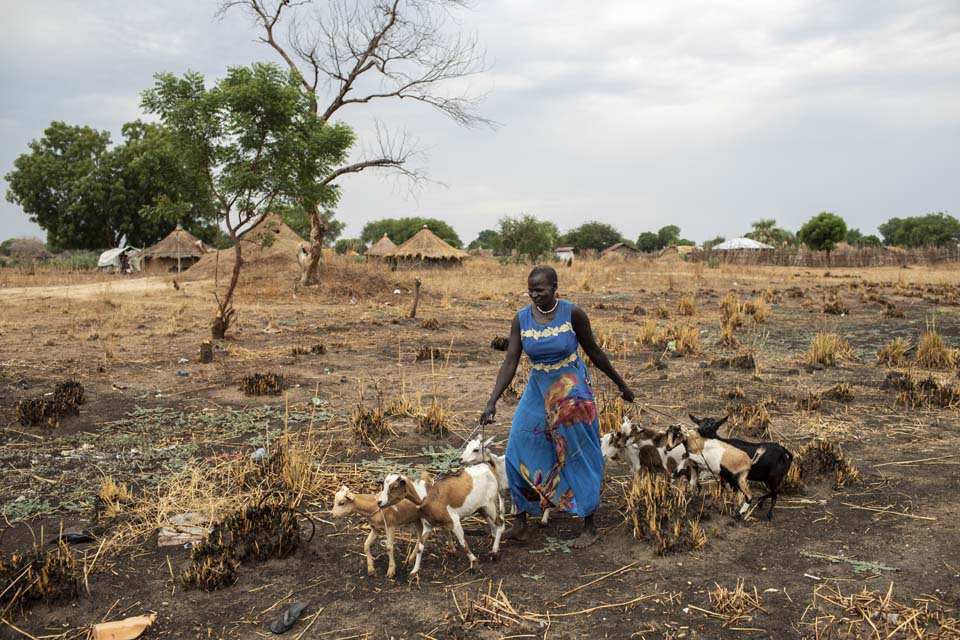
(823, 231)
(666, 236)
(399, 230)
(349, 244)
(768, 232)
(855, 238)
(591, 235)
(256, 141)
(88, 195)
(931, 230)
(486, 239)
(527, 236)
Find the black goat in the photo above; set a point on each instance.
(770, 468)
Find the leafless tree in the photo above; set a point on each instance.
(354, 52)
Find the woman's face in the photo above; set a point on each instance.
(540, 290)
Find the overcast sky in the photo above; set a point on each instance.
(706, 114)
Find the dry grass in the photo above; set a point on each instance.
(876, 615)
(490, 608)
(38, 575)
(664, 513)
(728, 336)
(686, 338)
(759, 309)
(650, 333)
(817, 458)
(687, 305)
(833, 304)
(731, 310)
(735, 605)
(112, 497)
(435, 420)
(828, 349)
(662, 311)
(839, 392)
(49, 409)
(754, 419)
(894, 353)
(369, 424)
(261, 384)
(932, 352)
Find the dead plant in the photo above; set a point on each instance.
(815, 459)
(833, 304)
(894, 353)
(261, 384)
(38, 575)
(687, 305)
(664, 513)
(828, 349)
(932, 352)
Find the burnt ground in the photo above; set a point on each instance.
(150, 416)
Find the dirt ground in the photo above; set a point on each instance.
(154, 415)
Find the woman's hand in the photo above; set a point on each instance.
(489, 413)
(626, 393)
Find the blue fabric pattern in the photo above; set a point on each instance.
(553, 454)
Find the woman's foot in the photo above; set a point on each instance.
(519, 530)
(589, 535)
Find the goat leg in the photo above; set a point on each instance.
(366, 550)
(392, 567)
(458, 532)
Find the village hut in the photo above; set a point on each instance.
(175, 253)
(120, 260)
(425, 250)
(679, 251)
(564, 254)
(380, 248)
(621, 249)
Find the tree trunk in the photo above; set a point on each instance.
(310, 261)
(225, 311)
(416, 297)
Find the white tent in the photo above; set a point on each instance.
(124, 258)
(740, 243)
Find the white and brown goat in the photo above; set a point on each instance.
(644, 448)
(722, 460)
(477, 451)
(474, 489)
(385, 520)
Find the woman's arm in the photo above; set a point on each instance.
(581, 326)
(507, 371)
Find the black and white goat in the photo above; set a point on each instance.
(770, 468)
(643, 448)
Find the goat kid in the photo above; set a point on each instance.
(644, 448)
(770, 468)
(725, 461)
(385, 521)
(477, 451)
(451, 499)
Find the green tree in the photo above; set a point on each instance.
(257, 141)
(931, 230)
(349, 54)
(349, 244)
(768, 232)
(591, 235)
(823, 231)
(298, 219)
(648, 241)
(668, 235)
(710, 244)
(527, 236)
(87, 195)
(487, 239)
(402, 229)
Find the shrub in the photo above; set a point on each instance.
(828, 349)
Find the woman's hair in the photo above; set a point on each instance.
(547, 272)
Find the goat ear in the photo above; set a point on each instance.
(695, 419)
(722, 420)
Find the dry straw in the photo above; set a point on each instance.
(828, 349)
(664, 513)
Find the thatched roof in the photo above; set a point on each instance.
(617, 246)
(426, 246)
(180, 243)
(381, 247)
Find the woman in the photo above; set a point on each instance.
(553, 454)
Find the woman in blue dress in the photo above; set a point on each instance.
(553, 454)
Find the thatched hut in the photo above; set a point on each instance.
(621, 249)
(380, 248)
(425, 250)
(177, 252)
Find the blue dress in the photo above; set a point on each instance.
(553, 454)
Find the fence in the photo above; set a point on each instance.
(802, 257)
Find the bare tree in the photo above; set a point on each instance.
(354, 52)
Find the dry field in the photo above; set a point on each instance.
(791, 354)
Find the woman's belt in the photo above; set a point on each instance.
(553, 366)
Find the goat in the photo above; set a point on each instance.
(770, 468)
(450, 499)
(644, 448)
(346, 502)
(723, 460)
(477, 451)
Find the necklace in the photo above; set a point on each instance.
(550, 310)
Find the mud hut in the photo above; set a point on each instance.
(175, 253)
(621, 249)
(425, 250)
(381, 247)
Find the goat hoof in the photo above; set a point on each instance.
(390, 574)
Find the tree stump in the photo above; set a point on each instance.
(416, 297)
